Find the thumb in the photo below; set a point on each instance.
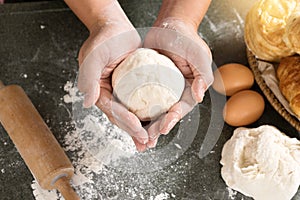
(90, 71)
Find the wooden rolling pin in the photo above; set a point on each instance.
(33, 139)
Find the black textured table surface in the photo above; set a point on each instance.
(39, 43)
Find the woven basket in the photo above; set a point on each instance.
(269, 94)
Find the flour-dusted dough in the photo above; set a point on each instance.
(148, 83)
(262, 163)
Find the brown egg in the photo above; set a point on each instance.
(243, 108)
(231, 78)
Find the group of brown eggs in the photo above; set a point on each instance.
(244, 106)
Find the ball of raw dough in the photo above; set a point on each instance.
(147, 83)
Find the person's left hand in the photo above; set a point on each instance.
(180, 42)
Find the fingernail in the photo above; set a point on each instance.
(142, 140)
(153, 137)
(141, 148)
(152, 143)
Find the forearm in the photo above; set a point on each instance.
(91, 12)
(189, 11)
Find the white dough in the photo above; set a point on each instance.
(262, 163)
(148, 83)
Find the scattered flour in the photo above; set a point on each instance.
(232, 194)
(41, 194)
(72, 91)
(42, 26)
(22, 75)
(162, 196)
(93, 144)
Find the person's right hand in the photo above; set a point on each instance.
(108, 44)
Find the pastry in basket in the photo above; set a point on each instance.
(292, 30)
(265, 26)
(288, 73)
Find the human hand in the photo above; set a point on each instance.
(180, 41)
(108, 44)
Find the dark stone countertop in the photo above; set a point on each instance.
(39, 43)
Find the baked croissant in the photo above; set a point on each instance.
(265, 26)
(288, 73)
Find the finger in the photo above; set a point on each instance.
(178, 111)
(129, 122)
(200, 61)
(154, 128)
(171, 118)
(198, 89)
(153, 132)
(107, 71)
(91, 95)
(139, 147)
(120, 116)
(88, 79)
(152, 143)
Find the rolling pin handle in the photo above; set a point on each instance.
(1, 84)
(64, 187)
